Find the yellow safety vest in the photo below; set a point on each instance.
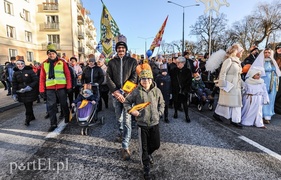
(59, 74)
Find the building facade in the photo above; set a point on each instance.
(28, 26)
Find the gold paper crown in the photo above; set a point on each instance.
(146, 73)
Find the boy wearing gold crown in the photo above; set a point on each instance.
(148, 117)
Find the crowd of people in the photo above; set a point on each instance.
(247, 89)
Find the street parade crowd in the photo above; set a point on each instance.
(248, 90)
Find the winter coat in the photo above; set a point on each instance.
(43, 76)
(2, 73)
(150, 115)
(114, 70)
(23, 78)
(164, 84)
(98, 76)
(9, 69)
(231, 71)
(181, 82)
(197, 84)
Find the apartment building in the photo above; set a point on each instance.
(28, 26)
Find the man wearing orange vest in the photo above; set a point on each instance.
(55, 81)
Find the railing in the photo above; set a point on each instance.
(50, 6)
(50, 26)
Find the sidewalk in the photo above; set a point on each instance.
(6, 102)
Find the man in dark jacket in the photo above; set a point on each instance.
(9, 69)
(120, 69)
(181, 80)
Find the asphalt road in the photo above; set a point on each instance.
(202, 149)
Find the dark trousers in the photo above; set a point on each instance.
(5, 84)
(52, 96)
(166, 111)
(28, 110)
(150, 141)
(181, 99)
(9, 87)
(104, 96)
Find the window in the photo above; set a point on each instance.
(8, 7)
(30, 57)
(11, 32)
(26, 15)
(54, 39)
(52, 19)
(28, 36)
(13, 52)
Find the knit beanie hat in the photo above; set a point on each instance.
(146, 73)
(121, 43)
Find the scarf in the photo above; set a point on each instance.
(253, 81)
(51, 68)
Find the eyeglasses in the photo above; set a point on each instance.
(144, 79)
(19, 63)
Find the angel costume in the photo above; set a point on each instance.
(254, 96)
(270, 76)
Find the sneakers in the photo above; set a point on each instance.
(126, 155)
(52, 128)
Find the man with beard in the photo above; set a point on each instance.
(120, 69)
(55, 82)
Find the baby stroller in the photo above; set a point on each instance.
(86, 112)
(194, 98)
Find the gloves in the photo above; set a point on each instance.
(27, 88)
(15, 97)
(21, 90)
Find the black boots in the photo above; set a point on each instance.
(217, 117)
(187, 118)
(146, 172)
(176, 115)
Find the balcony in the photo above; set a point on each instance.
(81, 50)
(51, 7)
(89, 34)
(81, 34)
(44, 46)
(50, 26)
(79, 4)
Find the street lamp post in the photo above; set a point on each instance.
(182, 20)
(145, 42)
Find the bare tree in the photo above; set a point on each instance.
(268, 18)
(202, 27)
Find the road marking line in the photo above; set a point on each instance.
(264, 149)
(57, 131)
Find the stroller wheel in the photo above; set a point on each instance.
(210, 107)
(102, 120)
(86, 131)
(199, 107)
(82, 131)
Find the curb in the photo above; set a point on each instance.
(11, 106)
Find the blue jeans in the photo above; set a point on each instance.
(124, 123)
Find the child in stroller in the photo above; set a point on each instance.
(200, 94)
(86, 107)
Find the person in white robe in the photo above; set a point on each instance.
(254, 97)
